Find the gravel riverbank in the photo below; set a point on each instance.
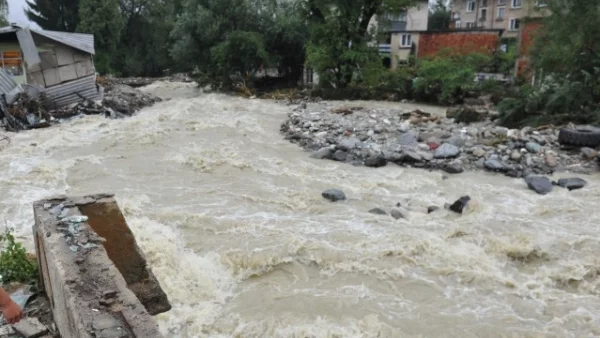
(376, 137)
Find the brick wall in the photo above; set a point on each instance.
(462, 42)
(526, 40)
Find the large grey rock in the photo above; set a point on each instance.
(589, 153)
(375, 161)
(378, 211)
(411, 156)
(349, 143)
(540, 184)
(572, 183)
(334, 195)
(408, 138)
(533, 147)
(494, 165)
(323, 153)
(446, 150)
(340, 156)
(454, 167)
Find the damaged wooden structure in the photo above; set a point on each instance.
(55, 67)
(96, 277)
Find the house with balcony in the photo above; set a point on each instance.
(496, 14)
(399, 33)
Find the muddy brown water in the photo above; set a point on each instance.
(231, 219)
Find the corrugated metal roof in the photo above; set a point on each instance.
(6, 82)
(84, 42)
(74, 91)
(9, 29)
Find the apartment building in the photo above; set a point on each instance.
(400, 31)
(496, 14)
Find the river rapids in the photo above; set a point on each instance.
(231, 218)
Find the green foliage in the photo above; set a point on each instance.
(566, 57)
(398, 82)
(61, 15)
(220, 39)
(445, 79)
(15, 264)
(439, 16)
(103, 19)
(339, 36)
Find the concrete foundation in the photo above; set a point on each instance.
(94, 274)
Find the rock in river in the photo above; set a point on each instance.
(376, 161)
(397, 214)
(460, 205)
(446, 150)
(540, 184)
(454, 167)
(572, 183)
(334, 195)
(377, 211)
(494, 165)
(432, 209)
(340, 155)
(323, 153)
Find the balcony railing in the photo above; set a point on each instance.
(385, 48)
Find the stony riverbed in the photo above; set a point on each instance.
(376, 137)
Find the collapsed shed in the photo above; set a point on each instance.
(56, 67)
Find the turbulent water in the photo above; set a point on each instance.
(231, 218)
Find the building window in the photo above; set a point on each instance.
(12, 62)
(470, 5)
(516, 3)
(406, 40)
(541, 3)
(514, 24)
(501, 13)
(457, 24)
(483, 16)
(501, 2)
(470, 25)
(483, 3)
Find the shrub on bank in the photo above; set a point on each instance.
(15, 264)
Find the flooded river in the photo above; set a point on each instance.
(232, 220)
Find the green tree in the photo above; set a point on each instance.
(103, 19)
(439, 16)
(60, 15)
(144, 44)
(3, 13)
(234, 38)
(566, 60)
(339, 35)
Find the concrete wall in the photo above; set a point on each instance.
(90, 295)
(60, 64)
(528, 9)
(463, 42)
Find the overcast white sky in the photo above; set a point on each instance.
(15, 12)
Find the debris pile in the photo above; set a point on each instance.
(33, 113)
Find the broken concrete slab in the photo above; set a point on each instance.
(30, 328)
(93, 291)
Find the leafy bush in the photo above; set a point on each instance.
(15, 264)
(444, 79)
